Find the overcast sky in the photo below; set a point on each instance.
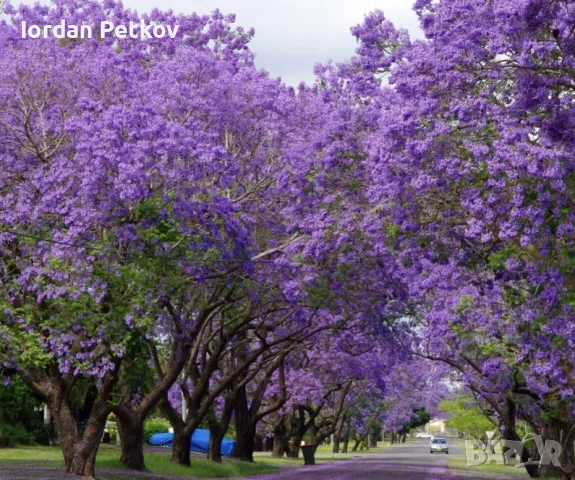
(293, 35)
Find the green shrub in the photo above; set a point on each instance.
(19, 406)
(14, 435)
(42, 435)
(155, 425)
(112, 429)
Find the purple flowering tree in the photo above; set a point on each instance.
(175, 222)
(105, 209)
(472, 178)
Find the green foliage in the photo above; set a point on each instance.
(18, 413)
(18, 403)
(155, 425)
(319, 295)
(376, 428)
(465, 303)
(420, 417)
(112, 429)
(392, 231)
(498, 259)
(14, 435)
(312, 173)
(465, 416)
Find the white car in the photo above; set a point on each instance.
(422, 435)
(438, 445)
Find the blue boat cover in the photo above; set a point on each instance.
(199, 443)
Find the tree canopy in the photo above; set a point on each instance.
(181, 233)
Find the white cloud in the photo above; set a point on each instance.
(293, 35)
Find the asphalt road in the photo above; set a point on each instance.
(411, 461)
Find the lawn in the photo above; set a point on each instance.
(158, 463)
(461, 463)
(323, 454)
(493, 468)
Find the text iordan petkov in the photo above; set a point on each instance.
(138, 30)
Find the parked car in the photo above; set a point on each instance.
(422, 435)
(438, 445)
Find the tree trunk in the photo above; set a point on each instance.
(245, 429)
(372, 439)
(507, 428)
(346, 436)
(345, 444)
(130, 431)
(245, 445)
(278, 449)
(67, 430)
(358, 440)
(295, 444)
(558, 430)
(181, 447)
(215, 445)
(79, 455)
(218, 429)
(337, 436)
(216, 436)
(567, 456)
(300, 430)
(313, 434)
(83, 461)
(281, 445)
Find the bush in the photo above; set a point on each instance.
(112, 429)
(43, 435)
(155, 425)
(19, 409)
(14, 435)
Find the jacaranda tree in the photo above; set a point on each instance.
(166, 207)
(472, 174)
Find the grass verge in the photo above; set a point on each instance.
(323, 454)
(157, 463)
(495, 469)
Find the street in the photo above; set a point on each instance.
(410, 461)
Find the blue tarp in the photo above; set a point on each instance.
(199, 443)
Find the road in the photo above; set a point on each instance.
(411, 461)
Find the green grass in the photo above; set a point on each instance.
(158, 463)
(323, 455)
(461, 463)
(490, 468)
(493, 468)
(325, 451)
